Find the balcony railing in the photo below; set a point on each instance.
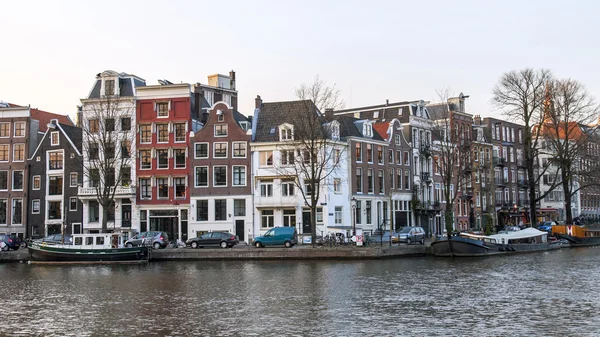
(426, 149)
(121, 190)
(425, 177)
(276, 201)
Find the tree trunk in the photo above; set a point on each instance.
(531, 180)
(104, 219)
(313, 223)
(567, 196)
(449, 219)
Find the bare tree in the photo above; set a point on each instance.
(323, 95)
(452, 153)
(312, 155)
(107, 149)
(568, 112)
(521, 95)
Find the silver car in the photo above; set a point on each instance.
(155, 239)
(412, 234)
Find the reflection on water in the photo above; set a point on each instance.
(550, 293)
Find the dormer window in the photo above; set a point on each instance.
(109, 87)
(162, 109)
(335, 130)
(367, 130)
(286, 132)
(376, 114)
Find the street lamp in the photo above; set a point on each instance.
(353, 200)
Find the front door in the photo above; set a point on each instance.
(239, 229)
(306, 222)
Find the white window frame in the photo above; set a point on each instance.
(175, 132)
(33, 202)
(285, 188)
(13, 180)
(226, 128)
(7, 136)
(158, 113)
(339, 215)
(7, 153)
(158, 141)
(215, 150)
(337, 185)
(214, 171)
(12, 206)
(141, 137)
(71, 209)
(233, 149)
(175, 159)
(15, 130)
(158, 159)
(195, 177)
(33, 182)
(233, 176)
(71, 179)
(141, 186)
(13, 154)
(267, 189)
(207, 150)
(140, 159)
(52, 140)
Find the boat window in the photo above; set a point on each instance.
(89, 241)
(100, 240)
(78, 241)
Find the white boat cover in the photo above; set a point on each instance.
(522, 234)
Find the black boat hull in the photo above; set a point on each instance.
(50, 253)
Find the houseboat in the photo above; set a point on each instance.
(106, 247)
(577, 236)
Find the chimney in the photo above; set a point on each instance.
(79, 115)
(257, 102)
(477, 120)
(329, 114)
(387, 102)
(232, 80)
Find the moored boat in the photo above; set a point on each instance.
(577, 236)
(90, 248)
(461, 246)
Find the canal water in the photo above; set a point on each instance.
(539, 294)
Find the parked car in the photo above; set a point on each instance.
(152, 238)
(214, 239)
(412, 234)
(55, 239)
(8, 242)
(286, 236)
(547, 226)
(384, 236)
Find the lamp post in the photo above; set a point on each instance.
(353, 216)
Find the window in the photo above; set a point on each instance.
(358, 152)
(370, 181)
(145, 159)
(368, 212)
(4, 152)
(54, 138)
(36, 184)
(406, 158)
(179, 129)
(390, 156)
(239, 149)
(381, 186)
(145, 133)
(406, 180)
(358, 212)
(220, 175)
(239, 207)
(94, 178)
(94, 125)
(399, 179)
(17, 211)
(201, 176)
(55, 185)
(35, 206)
(125, 176)
(4, 130)
(125, 123)
(162, 109)
(179, 158)
(220, 116)
(287, 188)
(202, 210)
(145, 188)
(391, 172)
(93, 151)
(266, 158)
(109, 150)
(380, 155)
(221, 130)
(19, 153)
(109, 124)
(239, 176)
(220, 150)
(179, 187)
(267, 219)
(19, 129)
(3, 209)
(109, 87)
(55, 160)
(73, 204)
(289, 217)
(287, 157)
(162, 186)
(220, 209)
(266, 189)
(338, 215)
(359, 180)
(162, 158)
(369, 153)
(337, 185)
(17, 181)
(125, 149)
(163, 133)
(286, 134)
(201, 150)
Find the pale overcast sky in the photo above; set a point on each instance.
(373, 50)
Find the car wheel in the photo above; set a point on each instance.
(288, 244)
(194, 244)
(257, 245)
(408, 241)
(423, 241)
(3, 246)
(223, 244)
(16, 248)
(156, 245)
(24, 244)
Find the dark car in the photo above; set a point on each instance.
(214, 239)
(56, 239)
(8, 242)
(152, 238)
(412, 234)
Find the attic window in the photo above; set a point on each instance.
(286, 134)
(162, 109)
(220, 116)
(368, 130)
(376, 114)
(273, 131)
(400, 112)
(335, 131)
(54, 138)
(109, 87)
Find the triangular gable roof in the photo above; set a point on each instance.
(382, 129)
(62, 128)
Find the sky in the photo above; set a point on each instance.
(50, 51)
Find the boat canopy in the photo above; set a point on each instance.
(526, 233)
